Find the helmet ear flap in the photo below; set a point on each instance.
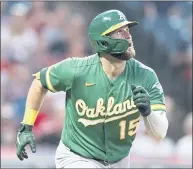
(102, 44)
(108, 45)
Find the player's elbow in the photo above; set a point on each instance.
(159, 135)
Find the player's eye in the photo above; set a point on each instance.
(127, 29)
(121, 31)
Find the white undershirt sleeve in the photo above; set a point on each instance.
(156, 124)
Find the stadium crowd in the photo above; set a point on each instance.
(38, 34)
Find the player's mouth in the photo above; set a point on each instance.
(130, 44)
(130, 41)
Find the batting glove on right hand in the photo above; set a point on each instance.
(141, 100)
(25, 136)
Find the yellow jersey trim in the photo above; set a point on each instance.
(158, 107)
(48, 81)
(37, 75)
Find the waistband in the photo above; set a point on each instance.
(105, 163)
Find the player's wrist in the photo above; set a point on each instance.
(25, 127)
(147, 113)
(30, 116)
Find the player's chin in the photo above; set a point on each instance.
(130, 53)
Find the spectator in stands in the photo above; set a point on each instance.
(150, 16)
(18, 41)
(183, 147)
(7, 125)
(174, 118)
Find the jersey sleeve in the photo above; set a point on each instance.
(58, 77)
(155, 91)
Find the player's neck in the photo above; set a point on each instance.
(112, 66)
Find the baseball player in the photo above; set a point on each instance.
(107, 94)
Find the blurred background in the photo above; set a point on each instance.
(38, 34)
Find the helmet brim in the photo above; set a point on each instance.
(119, 25)
(132, 23)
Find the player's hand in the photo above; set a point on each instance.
(25, 136)
(141, 100)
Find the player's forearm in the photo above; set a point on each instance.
(156, 124)
(34, 100)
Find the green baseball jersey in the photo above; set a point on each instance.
(101, 119)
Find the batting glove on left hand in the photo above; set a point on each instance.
(25, 136)
(141, 100)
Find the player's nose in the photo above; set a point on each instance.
(127, 35)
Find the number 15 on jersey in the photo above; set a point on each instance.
(133, 124)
